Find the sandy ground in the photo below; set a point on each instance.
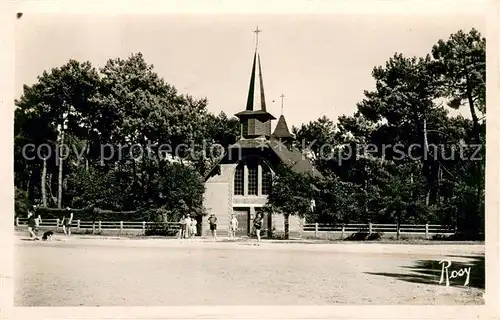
(88, 271)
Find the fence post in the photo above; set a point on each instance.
(342, 234)
(121, 227)
(17, 221)
(370, 227)
(316, 230)
(427, 231)
(144, 227)
(78, 224)
(100, 226)
(93, 227)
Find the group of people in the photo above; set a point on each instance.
(257, 224)
(188, 227)
(35, 221)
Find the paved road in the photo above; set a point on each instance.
(152, 272)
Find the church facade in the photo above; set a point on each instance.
(242, 180)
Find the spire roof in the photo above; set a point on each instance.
(281, 130)
(256, 100)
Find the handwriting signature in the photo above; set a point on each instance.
(446, 275)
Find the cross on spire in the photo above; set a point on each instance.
(257, 31)
(282, 97)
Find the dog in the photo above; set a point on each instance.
(47, 235)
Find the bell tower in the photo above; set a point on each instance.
(255, 121)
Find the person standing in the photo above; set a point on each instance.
(193, 230)
(257, 223)
(212, 220)
(233, 227)
(182, 231)
(66, 222)
(32, 225)
(187, 222)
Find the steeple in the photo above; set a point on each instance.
(255, 120)
(281, 131)
(256, 98)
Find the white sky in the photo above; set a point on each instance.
(321, 63)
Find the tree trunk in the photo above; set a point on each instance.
(397, 229)
(365, 191)
(287, 226)
(44, 183)
(426, 161)
(28, 184)
(60, 176)
(478, 165)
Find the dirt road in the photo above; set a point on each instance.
(155, 272)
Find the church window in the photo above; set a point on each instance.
(239, 178)
(250, 180)
(244, 128)
(252, 165)
(266, 179)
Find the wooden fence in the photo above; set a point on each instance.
(426, 229)
(98, 226)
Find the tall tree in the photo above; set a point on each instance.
(57, 101)
(461, 61)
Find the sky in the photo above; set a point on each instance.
(321, 63)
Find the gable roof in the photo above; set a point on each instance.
(293, 157)
(289, 156)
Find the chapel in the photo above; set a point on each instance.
(242, 179)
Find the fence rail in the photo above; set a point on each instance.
(101, 225)
(373, 227)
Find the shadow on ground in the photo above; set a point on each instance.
(429, 272)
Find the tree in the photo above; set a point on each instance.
(291, 194)
(102, 114)
(46, 110)
(461, 61)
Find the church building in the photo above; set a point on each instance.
(242, 180)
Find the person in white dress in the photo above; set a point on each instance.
(193, 227)
(233, 227)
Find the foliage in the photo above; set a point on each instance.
(22, 203)
(110, 116)
(291, 192)
(366, 178)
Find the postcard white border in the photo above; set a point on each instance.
(7, 31)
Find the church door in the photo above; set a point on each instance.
(243, 216)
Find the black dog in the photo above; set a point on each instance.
(48, 235)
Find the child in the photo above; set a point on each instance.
(233, 227)
(66, 223)
(257, 223)
(32, 225)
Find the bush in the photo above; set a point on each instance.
(161, 229)
(22, 203)
(278, 236)
(459, 237)
(364, 236)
